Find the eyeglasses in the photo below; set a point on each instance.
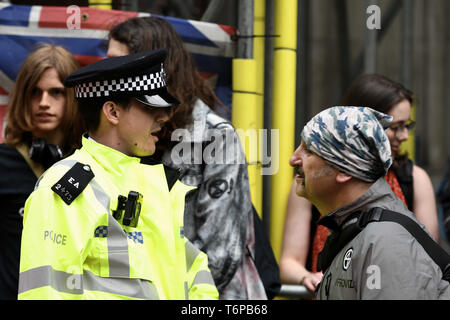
(400, 128)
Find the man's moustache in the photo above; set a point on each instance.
(299, 172)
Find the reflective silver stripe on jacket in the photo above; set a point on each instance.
(77, 283)
(67, 163)
(191, 253)
(202, 276)
(118, 258)
(186, 291)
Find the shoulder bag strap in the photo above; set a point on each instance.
(436, 252)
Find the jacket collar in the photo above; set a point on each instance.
(378, 195)
(111, 160)
(116, 162)
(172, 175)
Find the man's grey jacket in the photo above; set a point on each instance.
(384, 261)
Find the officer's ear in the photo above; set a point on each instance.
(111, 111)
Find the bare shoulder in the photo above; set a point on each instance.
(422, 180)
(424, 206)
(420, 174)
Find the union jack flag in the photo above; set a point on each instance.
(22, 27)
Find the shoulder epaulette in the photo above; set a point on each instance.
(73, 182)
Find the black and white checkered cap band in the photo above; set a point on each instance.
(105, 88)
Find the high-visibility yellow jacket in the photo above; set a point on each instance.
(80, 251)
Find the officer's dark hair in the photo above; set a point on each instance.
(90, 109)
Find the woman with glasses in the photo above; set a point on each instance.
(408, 181)
(303, 241)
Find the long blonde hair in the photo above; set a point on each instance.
(18, 115)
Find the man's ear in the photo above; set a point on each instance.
(111, 111)
(342, 177)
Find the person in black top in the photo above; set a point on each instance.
(43, 125)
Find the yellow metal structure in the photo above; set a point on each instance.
(248, 104)
(258, 55)
(283, 105)
(101, 4)
(244, 117)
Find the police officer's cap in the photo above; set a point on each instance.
(140, 76)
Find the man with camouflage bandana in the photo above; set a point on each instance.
(340, 167)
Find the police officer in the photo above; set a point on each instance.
(101, 225)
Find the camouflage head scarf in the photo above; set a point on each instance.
(352, 139)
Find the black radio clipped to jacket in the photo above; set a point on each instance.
(129, 209)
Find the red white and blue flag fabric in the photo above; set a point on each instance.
(22, 27)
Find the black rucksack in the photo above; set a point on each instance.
(338, 239)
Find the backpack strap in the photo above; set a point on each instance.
(338, 238)
(434, 250)
(354, 224)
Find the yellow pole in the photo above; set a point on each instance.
(258, 55)
(101, 4)
(244, 114)
(283, 105)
